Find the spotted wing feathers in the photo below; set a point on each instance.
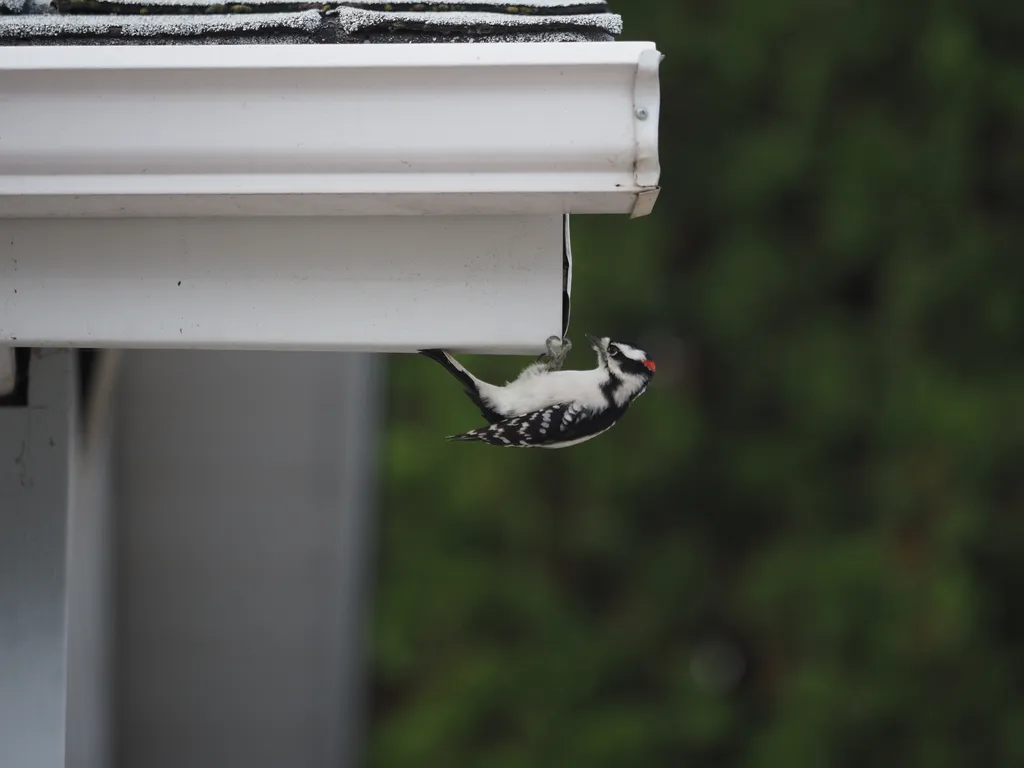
(549, 427)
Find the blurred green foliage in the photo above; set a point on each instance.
(805, 545)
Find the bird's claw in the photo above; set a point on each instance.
(558, 348)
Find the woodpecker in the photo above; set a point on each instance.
(546, 407)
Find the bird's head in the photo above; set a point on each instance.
(623, 360)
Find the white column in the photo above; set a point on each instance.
(38, 446)
(7, 370)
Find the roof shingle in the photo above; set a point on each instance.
(113, 22)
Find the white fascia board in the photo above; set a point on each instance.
(482, 284)
(328, 130)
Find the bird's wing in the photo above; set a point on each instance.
(559, 423)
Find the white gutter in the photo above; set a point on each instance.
(327, 130)
(233, 197)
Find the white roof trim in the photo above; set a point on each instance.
(251, 130)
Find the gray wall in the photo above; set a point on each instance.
(243, 537)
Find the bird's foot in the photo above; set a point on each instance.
(558, 348)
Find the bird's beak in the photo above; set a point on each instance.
(594, 341)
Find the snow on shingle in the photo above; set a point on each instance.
(294, 6)
(417, 7)
(318, 21)
(355, 20)
(548, 36)
(50, 25)
(507, 7)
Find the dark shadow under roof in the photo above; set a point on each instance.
(138, 22)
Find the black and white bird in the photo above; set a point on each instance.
(546, 407)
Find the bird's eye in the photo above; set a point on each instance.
(612, 350)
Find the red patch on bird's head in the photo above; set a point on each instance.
(649, 365)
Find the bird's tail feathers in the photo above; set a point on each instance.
(451, 365)
(482, 435)
(470, 383)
